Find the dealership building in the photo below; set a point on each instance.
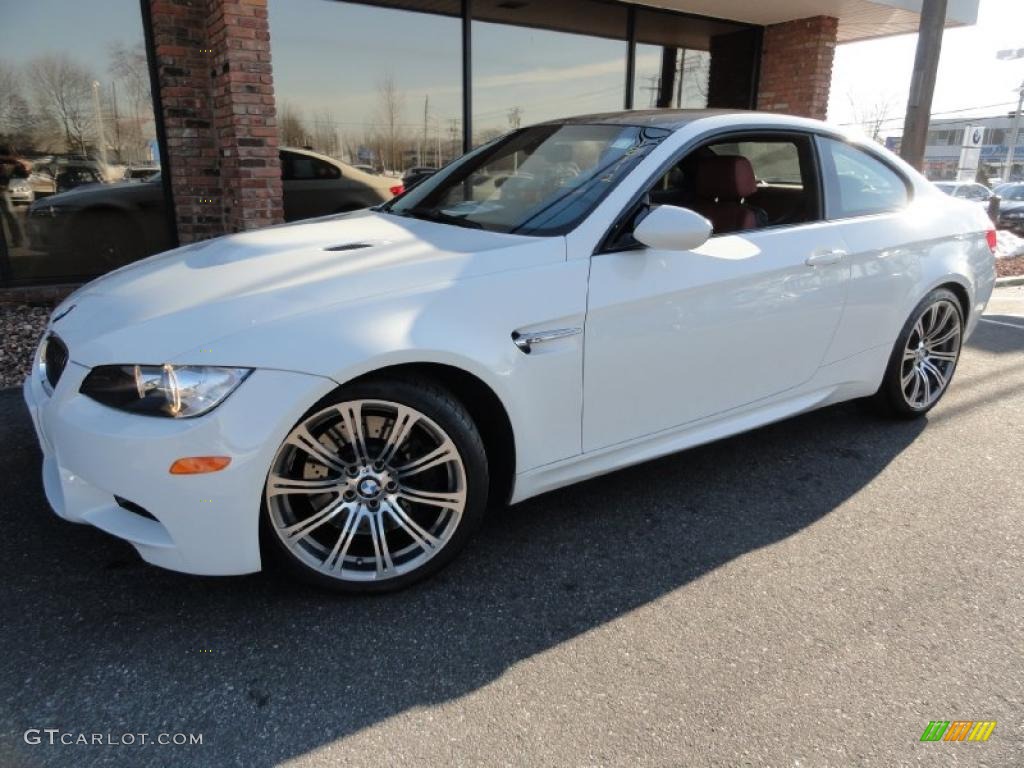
(205, 92)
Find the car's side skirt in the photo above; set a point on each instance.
(857, 376)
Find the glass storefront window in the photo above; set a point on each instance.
(538, 61)
(78, 151)
(677, 55)
(376, 92)
(688, 88)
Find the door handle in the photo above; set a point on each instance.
(825, 257)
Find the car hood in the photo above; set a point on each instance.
(178, 302)
(1011, 205)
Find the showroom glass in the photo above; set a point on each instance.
(674, 56)
(863, 185)
(523, 76)
(77, 112)
(536, 181)
(690, 71)
(369, 86)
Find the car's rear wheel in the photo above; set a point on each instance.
(376, 487)
(924, 358)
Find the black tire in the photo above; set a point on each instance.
(440, 406)
(890, 399)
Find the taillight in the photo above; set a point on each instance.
(398, 189)
(992, 240)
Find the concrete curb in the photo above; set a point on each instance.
(1005, 282)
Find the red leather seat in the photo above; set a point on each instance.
(723, 184)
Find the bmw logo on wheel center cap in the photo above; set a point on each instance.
(368, 487)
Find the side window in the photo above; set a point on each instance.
(859, 184)
(298, 167)
(750, 182)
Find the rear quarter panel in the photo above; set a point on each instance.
(897, 258)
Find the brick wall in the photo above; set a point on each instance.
(216, 84)
(796, 66)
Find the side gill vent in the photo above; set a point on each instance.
(348, 246)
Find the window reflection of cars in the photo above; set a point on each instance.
(416, 174)
(72, 176)
(20, 191)
(108, 225)
(139, 172)
(316, 185)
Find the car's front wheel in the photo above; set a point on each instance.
(924, 358)
(376, 487)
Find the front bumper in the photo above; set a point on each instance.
(204, 524)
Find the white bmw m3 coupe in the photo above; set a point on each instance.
(350, 394)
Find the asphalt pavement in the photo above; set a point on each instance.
(808, 594)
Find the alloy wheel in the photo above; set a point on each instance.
(931, 353)
(366, 490)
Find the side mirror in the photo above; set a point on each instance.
(670, 228)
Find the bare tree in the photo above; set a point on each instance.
(872, 113)
(391, 102)
(129, 101)
(63, 92)
(325, 133)
(16, 119)
(292, 126)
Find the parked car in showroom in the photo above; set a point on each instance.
(349, 395)
(113, 224)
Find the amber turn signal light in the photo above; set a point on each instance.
(197, 465)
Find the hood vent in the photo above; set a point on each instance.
(348, 247)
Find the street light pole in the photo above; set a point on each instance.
(922, 83)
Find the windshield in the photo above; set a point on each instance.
(1016, 192)
(541, 180)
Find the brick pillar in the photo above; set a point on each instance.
(796, 66)
(216, 85)
(244, 113)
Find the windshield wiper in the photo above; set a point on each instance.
(432, 214)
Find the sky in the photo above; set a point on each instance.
(970, 77)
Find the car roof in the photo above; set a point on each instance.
(675, 119)
(311, 153)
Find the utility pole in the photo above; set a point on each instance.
(922, 82)
(1014, 132)
(1011, 54)
(423, 144)
(101, 139)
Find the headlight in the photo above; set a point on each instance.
(177, 391)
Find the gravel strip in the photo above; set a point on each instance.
(1010, 267)
(20, 329)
